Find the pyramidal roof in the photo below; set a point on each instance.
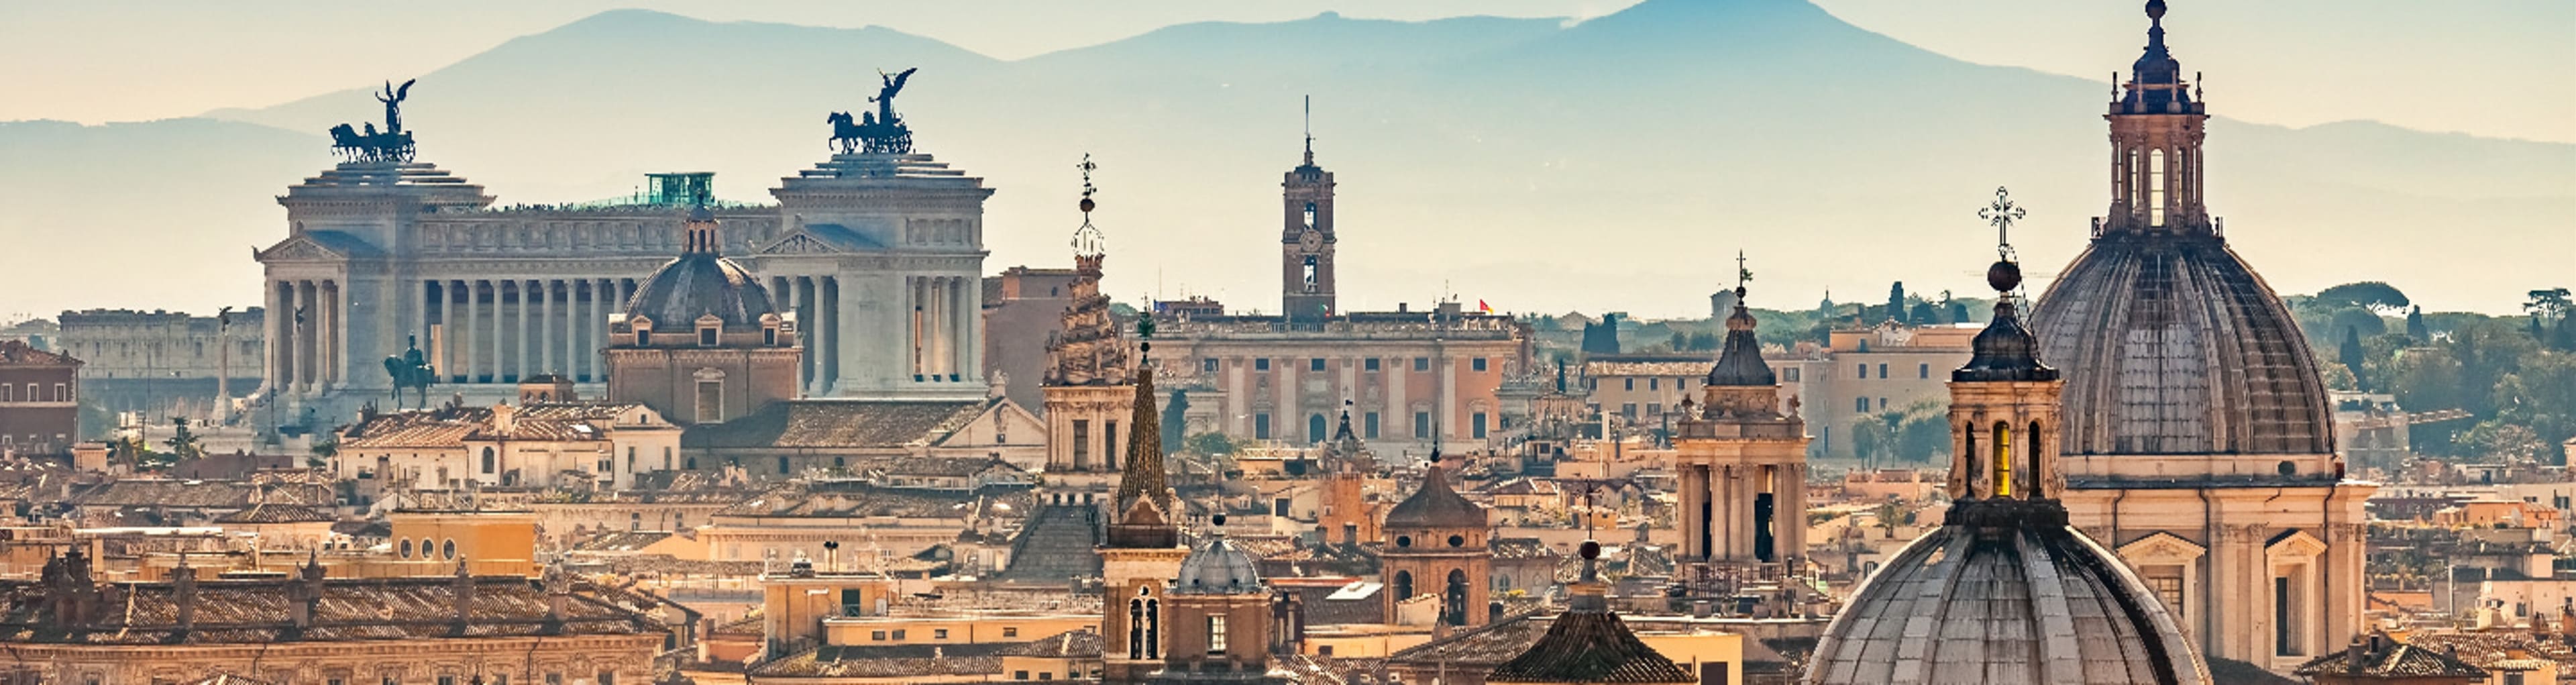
(1436, 505)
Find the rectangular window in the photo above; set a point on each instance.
(1081, 443)
(1654, 384)
(1477, 363)
(710, 401)
(2168, 586)
(1369, 364)
(1923, 371)
(1882, 370)
(1262, 364)
(1316, 364)
(1369, 429)
(607, 678)
(1216, 634)
(898, 634)
(1010, 631)
(447, 680)
(1860, 404)
(62, 393)
(1109, 441)
(1654, 409)
(1261, 426)
(1208, 365)
(769, 337)
(1864, 370)
(1019, 675)
(1421, 363)
(939, 634)
(1628, 409)
(1421, 425)
(877, 635)
(706, 337)
(554, 679)
(1629, 384)
(782, 466)
(1792, 373)
(1882, 404)
(1478, 420)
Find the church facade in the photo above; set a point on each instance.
(877, 252)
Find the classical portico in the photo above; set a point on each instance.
(879, 254)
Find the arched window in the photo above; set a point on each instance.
(2034, 472)
(1453, 605)
(2156, 188)
(1403, 585)
(1315, 428)
(1968, 449)
(2003, 460)
(2137, 201)
(490, 461)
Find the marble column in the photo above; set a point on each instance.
(306, 346)
(1694, 493)
(545, 358)
(827, 370)
(280, 340)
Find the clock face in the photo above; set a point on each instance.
(1312, 240)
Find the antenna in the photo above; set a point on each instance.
(1310, 126)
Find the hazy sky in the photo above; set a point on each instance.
(2488, 67)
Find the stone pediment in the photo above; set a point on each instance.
(2161, 548)
(316, 246)
(2294, 545)
(822, 239)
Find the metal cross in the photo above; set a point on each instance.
(1741, 274)
(1087, 240)
(1086, 166)
(2002, 213)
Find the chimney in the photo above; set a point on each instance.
(2352, 658)
(504, 419)
(306, 591)
(183, 591)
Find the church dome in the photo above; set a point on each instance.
(699, 283)
(1218, 568)
(2004, 574)
(1435, 505)
(2170, 344)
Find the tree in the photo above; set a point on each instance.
(2351, 355)
(182, 442)
(1870, 439)
(1896, 302)
(2378, 297)
(2415, 328)
(1923, 315)
(1924, 436)
(1211, 444)
(1704, 340)
(323, 451)
(1176, 421)
(1680, 341)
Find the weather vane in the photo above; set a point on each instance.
(2002, 213)
(1742, 275)
(1087, 241)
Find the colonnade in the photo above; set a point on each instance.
(503, 330)
(944, 313)
(307, 349)
(1724, 516)
(816, 301)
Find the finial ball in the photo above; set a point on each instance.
(1087, 204)
(1591, 550)
(2155, 9)
(1217, 520)
(2004, 276)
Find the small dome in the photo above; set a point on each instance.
(1218, 568)
(698, 284)
(2004, 351)
(1435, 505)
(2030, 601)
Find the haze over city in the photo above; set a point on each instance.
(1159, 342)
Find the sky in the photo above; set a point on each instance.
(2486, 67)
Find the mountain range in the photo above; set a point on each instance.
(1618, 163)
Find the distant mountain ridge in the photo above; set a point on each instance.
(1618, 157)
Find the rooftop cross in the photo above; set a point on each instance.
(1087, 240)
(1742, 275)
(2002, 213)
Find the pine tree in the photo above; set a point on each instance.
(1175, 421)
(1896, 302)
(2415, 327)
(2352, 356)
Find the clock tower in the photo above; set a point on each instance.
(1306, 243)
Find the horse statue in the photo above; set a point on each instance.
(393, 144)
(412, 370)
(881, 132)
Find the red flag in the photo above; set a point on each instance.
(1482, 307)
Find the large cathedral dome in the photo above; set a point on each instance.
(2172, 345)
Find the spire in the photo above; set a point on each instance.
(1739, 360)
(2006, 351)
(1145, 507)
(1088, 243)
(1310, 130)
(2155, 80)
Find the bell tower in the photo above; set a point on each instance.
(1306, 241)
(2157, 123)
